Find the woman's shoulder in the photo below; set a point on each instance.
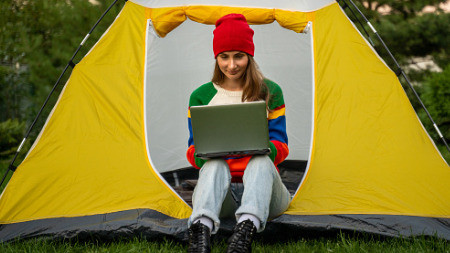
(273, 86)
(203, 94)
(276, 94)
(204, 90)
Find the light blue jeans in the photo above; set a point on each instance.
(264, 194)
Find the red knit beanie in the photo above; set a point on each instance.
(232, 33)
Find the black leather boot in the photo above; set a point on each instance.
(199, 238)
(241, 240)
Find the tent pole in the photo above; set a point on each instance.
(399, 72)
(11, 166)
(344, 6)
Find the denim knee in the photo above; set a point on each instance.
(215, 166)
(260, 164)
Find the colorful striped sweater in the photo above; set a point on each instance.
(277, 128)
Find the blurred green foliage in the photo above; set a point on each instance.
(11, 131)
(436, 94)
(37, 40)
(420, 36)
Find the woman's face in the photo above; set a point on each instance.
(233, 64)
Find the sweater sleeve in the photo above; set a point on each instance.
(201, 96)
(190, 154)
(277, 124)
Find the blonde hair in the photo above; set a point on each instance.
(254, 89)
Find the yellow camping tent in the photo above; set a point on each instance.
(371, 165)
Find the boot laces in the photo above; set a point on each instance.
(242, 238)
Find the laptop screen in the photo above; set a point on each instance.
(228, 130)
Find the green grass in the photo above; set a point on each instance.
(340, 243)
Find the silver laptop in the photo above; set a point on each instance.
(230, 130)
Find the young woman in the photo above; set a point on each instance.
(237, 79)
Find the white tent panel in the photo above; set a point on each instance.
(169, 84)
(297, 5)
(284, 57)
